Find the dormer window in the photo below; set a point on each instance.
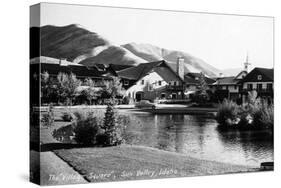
(259, 77)
(142, 82)
(159, 82)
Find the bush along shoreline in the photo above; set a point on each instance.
(255, 114)
(89, 128)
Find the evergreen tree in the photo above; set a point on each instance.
(112, 131)
(202, 95)
(202, 87)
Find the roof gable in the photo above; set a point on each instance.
(138, 72)
(241, 75)
(266, 75)
(231, 80)
(193, 78)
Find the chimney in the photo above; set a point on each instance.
(180, 67)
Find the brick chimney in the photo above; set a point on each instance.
(180, 67)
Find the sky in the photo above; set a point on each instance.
(222, 41)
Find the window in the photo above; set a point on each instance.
(126, 82)
(163, 95)
(142, 82)
(159, 82)
(259, 86)
(250, 86)
(174, 95)
(259, 77)
(235, 87)
(175, 83)
(196, 78)
(269, 86)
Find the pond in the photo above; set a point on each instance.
(194, 135)
(197, 136)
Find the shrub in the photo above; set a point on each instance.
(255, 115)
(126, 100)
(48, 118)
(67, 116)
(86, 128)
(227, 113)
(263, 116)
(99, 129)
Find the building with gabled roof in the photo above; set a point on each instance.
(260, 80)
(154, 80)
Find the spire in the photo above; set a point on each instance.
(246, 64)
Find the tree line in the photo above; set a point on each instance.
(67, 89)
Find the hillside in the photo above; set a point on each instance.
(79, 45)
(153, 53)
(82, 46)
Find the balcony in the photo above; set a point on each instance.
(174, 87)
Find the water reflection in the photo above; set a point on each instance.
(194, 135)
(198, 136)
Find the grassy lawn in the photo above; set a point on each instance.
(136, 162)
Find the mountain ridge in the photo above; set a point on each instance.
(82, 46)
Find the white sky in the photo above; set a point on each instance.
(220, 40)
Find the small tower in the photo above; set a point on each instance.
(247, 64)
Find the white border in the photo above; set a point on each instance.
(14, 89)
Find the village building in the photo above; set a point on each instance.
(229, 87)
(154, 80)
(236, 88)
(260, 80)
(98, 73)
(53, 67)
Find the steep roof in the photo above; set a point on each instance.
(116, 67)
(138, 72)
(53, 67)
(50, 60)
(226, 81)
(191, 78)
(79, 71)
(243, 73)
(267, 75)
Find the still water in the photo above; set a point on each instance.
(197, 136)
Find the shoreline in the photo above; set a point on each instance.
(160, 109)
(126, 162)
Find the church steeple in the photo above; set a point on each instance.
(247, 63)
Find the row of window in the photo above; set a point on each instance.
(158, 82)
(249, 86)
(259, 86)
